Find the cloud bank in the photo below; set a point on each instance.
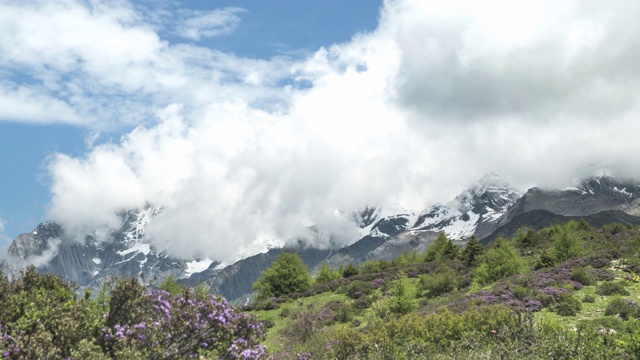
(240, 150)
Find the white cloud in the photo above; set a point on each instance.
(435, 97)
(196, 25)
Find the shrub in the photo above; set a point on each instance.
(589, 298)
(326, 274)
(170, 285)
(363, 302)
(567, 305)
(622, 307)
(582, 276)
(350, 271)
(41, 318)
(611, 288)
(500, 261)
(442, 248)
(344, 314)
(442, 281)
(566, 244)
(401, 302)
(545, 259)
(358, 289)
(614, 228)
(472, 250)
(287, 274)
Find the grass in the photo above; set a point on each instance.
(590, 311)
(272, 339)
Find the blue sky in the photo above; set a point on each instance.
(266, 29)
(249, 121)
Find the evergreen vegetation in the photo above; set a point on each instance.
(288, 274)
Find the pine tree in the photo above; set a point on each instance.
(472, 250)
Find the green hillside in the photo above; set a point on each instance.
(565, 291)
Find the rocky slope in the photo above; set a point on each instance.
(586, 197)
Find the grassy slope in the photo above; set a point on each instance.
(598, 241)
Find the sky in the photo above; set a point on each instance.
(252, 120)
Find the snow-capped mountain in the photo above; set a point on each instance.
(127, 252)
(385, 231)
(475, 211)
(586, 197)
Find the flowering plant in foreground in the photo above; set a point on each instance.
(187, 325)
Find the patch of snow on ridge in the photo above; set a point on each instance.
(139, 222)
(259, 246)
(196, 266)
(96, 261)
(623, 191)
(140, 248)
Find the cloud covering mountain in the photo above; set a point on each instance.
(237, 149)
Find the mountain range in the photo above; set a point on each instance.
(488, 209)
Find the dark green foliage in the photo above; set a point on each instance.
(614, 228)
(472, 250)
(545, 259)
(501, 260)
(170, 285)
(568, 305)
(442, 249)
(622, 307)
(589, 298)
(583, 276)
(358, 289)
(566, 243)
(349, 271)
(611, 288)
(344, 314)
(288, 274)
(442, 281)
(326, 274)
(526, 238)
(401, 302)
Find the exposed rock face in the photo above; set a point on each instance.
(588, 196)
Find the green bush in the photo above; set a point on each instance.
(442, 281)
(582, 276)
(326, 274)
(287, 274)
(545, 259)
(622, 307)
(344, 314)
(442, 249)
(500, 261)
(349, 271)
(566, 243)
(567, 305)
(358, 289)
(614, 228)
(589, 298)
(401, 301)
(611, 288)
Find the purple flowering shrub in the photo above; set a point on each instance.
(41, 317)
(169, 326)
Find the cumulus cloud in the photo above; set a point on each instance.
(411, 113)
(196, 25)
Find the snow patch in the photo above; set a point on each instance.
(196, 266)
(140, 248)
(96, 261)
